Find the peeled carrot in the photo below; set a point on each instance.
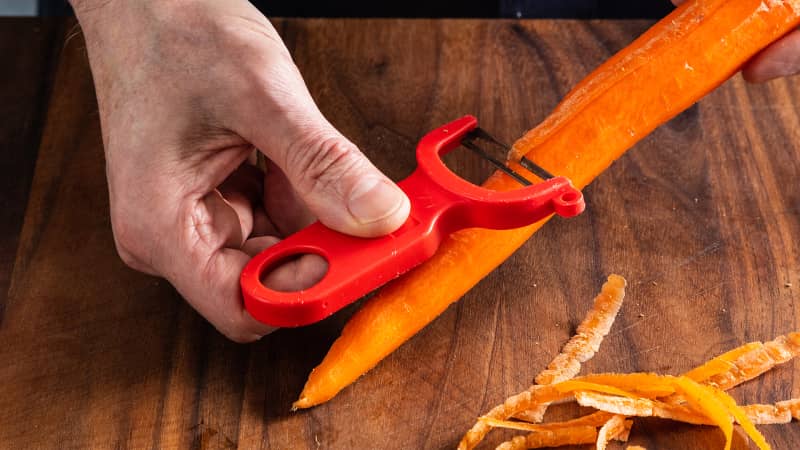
(672, 65)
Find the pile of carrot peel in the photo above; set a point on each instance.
(696, 397)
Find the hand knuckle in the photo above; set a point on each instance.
(123, 239)
(126, 241)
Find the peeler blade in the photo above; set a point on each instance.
(480, 133)
(535, 168)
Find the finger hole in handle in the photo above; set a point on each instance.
(295, 272)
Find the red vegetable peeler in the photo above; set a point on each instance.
(441, 203)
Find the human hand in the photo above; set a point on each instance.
(780, 59)
(186, 92)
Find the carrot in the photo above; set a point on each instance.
(672, 65)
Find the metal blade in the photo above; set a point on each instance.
(471, 146)
(535, 169)
(480, 133)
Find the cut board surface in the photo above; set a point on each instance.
(701, 217)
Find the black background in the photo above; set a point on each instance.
(434, 8)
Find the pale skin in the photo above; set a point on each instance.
(187, 91)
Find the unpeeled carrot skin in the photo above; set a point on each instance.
(664, 71)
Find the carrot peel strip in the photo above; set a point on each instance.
(585, 343)
(590, 333)
(552, 438)
(595, 420)
(704, 399)
(740, 417)
(576, 385)
(616, 427)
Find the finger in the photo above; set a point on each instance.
(205, 269)
(246, 179)
(220, 301)
(340, 186)
(335, 180)
(780, 59)
(262, 225)
(256, 245)
(288, 211)
(242, 190)
(294, 274)
(243, 210)
(221, 223)
(297, 273)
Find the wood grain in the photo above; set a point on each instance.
(24, 88)
(700, 218)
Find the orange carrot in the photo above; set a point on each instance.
(671, 66)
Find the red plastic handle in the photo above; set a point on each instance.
(441, 202)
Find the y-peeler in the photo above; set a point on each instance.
(441, 203)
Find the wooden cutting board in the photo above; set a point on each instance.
(701, 217)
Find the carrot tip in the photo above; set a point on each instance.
(301, 403)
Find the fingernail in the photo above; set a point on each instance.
(374, 199)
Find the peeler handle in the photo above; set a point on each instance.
(441, 203)
(356, 266)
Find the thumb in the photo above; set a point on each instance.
(780, 59)
(338, 184)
